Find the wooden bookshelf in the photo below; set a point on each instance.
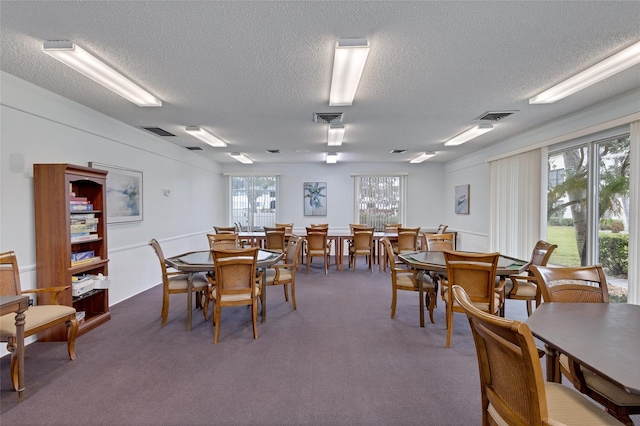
(54, 186)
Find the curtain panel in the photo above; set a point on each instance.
(515, 192)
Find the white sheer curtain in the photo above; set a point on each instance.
(634, 219)
(515, 204)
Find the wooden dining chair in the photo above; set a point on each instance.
(223, 241)
(362, 246)
(441, 229)
(37, 318)
(524, 287)
(439, 242)
(318, 245)
(585, 284)
(407, 240)
(476, 273)
(513, 391)
(225, 229)
(174, 282)
(407, 279)
(285, 273)
(237, 284)
(274, 238)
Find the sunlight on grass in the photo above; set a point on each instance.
(567, 252)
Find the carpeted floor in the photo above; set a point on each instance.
(337, 360)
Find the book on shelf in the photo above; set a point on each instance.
(88, 237)
(72, 197)
(83, 216)
(81, 207)
(83, 221)
(83, 227)
(81, 255)
(85, 261)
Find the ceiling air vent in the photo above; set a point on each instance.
(398, 151)
(273, 151)
(193, 148)
(493, 115)
(158, 131)
(327, 117)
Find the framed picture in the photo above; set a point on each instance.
(315, 198)
(124, 193)
(462, 199)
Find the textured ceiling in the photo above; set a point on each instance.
(253, 73)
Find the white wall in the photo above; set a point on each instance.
(425, 189)
(41, 127)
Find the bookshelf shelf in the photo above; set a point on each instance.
(56, 187)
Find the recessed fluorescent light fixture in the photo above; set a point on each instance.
(241, 158)
(82, 61)
(348, 64)
(612, 65)
(335, 134)
(205, 136)
(332, 158)
(474, 132)
(424, 156)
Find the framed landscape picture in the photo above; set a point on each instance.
(462, 199)
(315, 198)
(124, 193)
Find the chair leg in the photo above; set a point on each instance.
(216, 321)
(72, 332)
(431, 303)
(393, 302)
(14, 369)
(286, 293)
(205, 308)
(165, 309)
(293, 294)
(449, 327)
(254, 318)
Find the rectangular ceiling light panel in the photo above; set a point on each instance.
(422, 157)
(335, 135)
(474, 132)
(612, 65)
(205, 136)
(332, 158)
(82, 61)
(241, 158)
(348, 64)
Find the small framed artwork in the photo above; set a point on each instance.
(462, 199)
(124, 193)
(315, 198)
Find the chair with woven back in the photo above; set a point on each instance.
(407, 279)
(288, 228)
(223, 241)
(174, 282)
(523, 287)
(440, 242)
(441, 228)
(476, 273)
(362, 246)
(285, 273)
(317, 245)
(37, 318)
(513, 391)
(585, 284)
(274, 238)
(237, 284)
(225, 229)
(407, 240)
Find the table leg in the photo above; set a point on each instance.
(189, 297)
(380, 257)
(421, 292)
(263, 296)
(20, 320)
(553, 364)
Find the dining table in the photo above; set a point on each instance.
(603, 337)
(433, 261)
(195, 262)
(17, 304)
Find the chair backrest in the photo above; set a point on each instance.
(288, 227)
(390, 258)
(392, 227)
(476, 273)
(163, 266)
(541, 253)
(9, 275)
(441, 228)
(511, 378)
(237, 226)
(407, 239)
(225, 229)
(582, 284)
(274, 238)
(223, 241)
(363, 238)
(235, 270)
(292, 254)
(317, 238)
(354, 226)
(319, 226)
(440, 242)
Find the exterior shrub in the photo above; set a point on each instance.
(560, 221)
(614, 253)
(617, 226)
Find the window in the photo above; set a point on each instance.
(380, 199)
(253, 201)
(588, 206)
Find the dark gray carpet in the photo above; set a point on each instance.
(337, 360)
